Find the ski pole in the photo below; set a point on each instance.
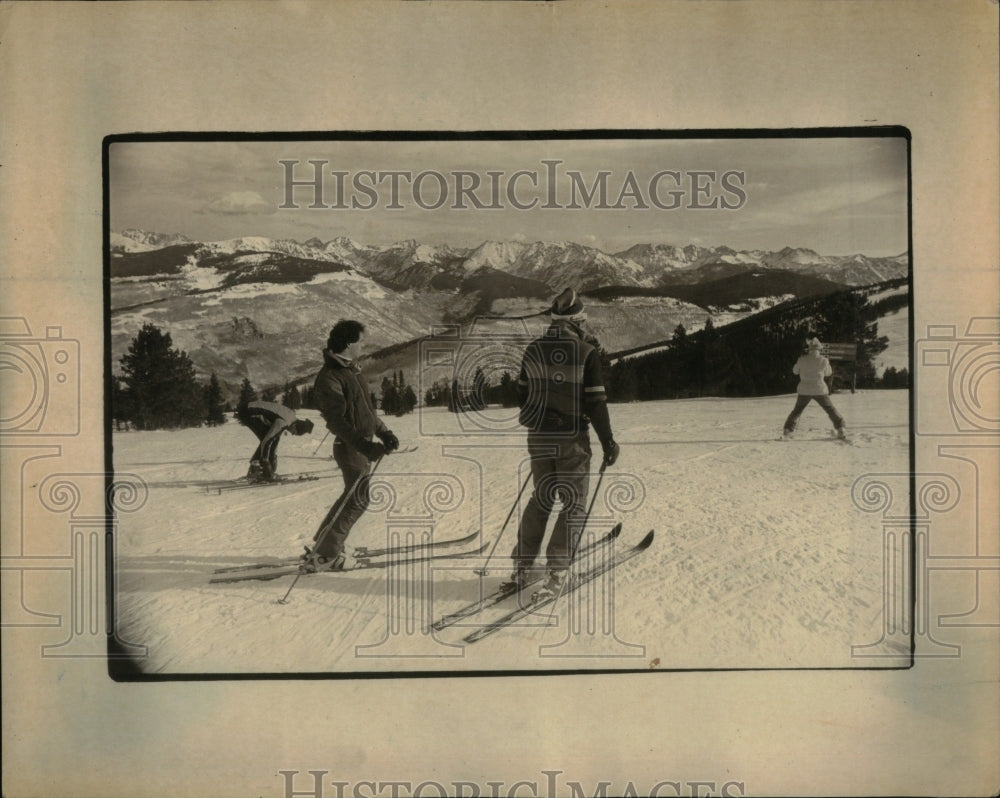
(593, 499)
(321, 442)
(329, 525)
(484, 571)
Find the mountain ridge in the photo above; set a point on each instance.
(292, 292)
(413, 264)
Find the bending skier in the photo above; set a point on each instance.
(268, 421)
(560, 393)
(343, 399)
(813, 369)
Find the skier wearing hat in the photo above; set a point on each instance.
(813, 369)
(344, 400)
(560, 393)
(268, 421)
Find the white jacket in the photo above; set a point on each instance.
(812, 368)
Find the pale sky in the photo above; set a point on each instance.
(836, 195)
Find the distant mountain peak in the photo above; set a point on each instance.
(134, 240)
(411, 263)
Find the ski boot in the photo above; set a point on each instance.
(270, 468)
(313, 563)
(256, 473)
(517, 581)
(557, 581)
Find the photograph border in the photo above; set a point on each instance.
(121, 664)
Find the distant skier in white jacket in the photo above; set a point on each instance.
(813, 369)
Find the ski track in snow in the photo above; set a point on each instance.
(760, 559)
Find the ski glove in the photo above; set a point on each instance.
(373, 451)
(611, 452)
(391, 441)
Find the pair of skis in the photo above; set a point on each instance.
(536, 601)
(364, 559)
(244, 484)
(292, 479)
(384, 558)
(507, 589)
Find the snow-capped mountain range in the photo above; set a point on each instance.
(207, 294)
(413, 264)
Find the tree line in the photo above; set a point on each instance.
(754, 356)
(158, 389)
(475, 396)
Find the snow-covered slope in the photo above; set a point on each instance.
(761, 557)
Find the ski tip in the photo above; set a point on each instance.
(616, 530)
(647, 541)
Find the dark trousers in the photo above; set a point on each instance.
(823, 401)
(560, 469)
(350, 506)
(264, 453)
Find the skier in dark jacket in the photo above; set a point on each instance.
(268, 421)
(343, 399)
(560, 392)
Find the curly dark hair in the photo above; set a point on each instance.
(344, 332)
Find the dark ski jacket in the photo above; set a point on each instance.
(343, 399)
(560, 387)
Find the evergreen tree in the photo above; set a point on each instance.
(705, 345)
(390, 396)
(247, 393)
(214, 408)
(507, 390)
(480, 389)
(753, 357)
(620, 381)
(409, 399)
(891, 378)
(847, 317)
(160, 382)
(438, 395)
